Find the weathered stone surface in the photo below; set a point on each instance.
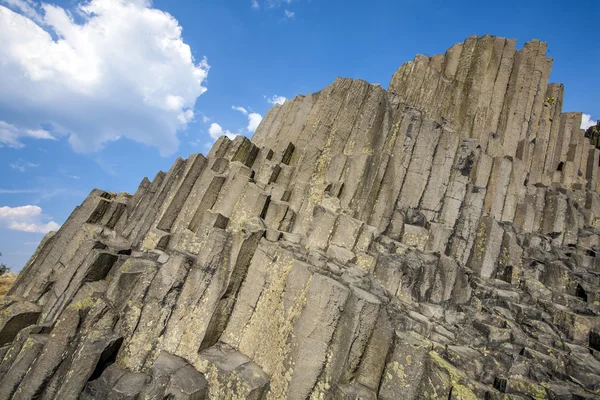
(14, 316)
(487, 247)
(21, 364)
(416, 236)
(439, 239)
(405, 367)
(231, 374)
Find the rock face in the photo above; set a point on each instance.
(593, 133)
(438, 240)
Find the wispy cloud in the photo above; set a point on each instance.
(107, 167)
(18, 191)
(45, 193)
(275, 99)
(25, 7)
(240, 109)
(277, 3)
(587, 121)
(197, 142)
(205, 119)
(22, 165)
(10, 135)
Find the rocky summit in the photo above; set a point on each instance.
(438, 240)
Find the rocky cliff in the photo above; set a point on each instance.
(438, 240)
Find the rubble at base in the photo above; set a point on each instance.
(439, 240)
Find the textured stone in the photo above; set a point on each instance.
(416, 236)
(487, 247)
(16, 316)
(438, 239)
(405, 367)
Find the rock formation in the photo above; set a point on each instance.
(593, 133)
(438, 240)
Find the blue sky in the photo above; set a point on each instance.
(101, 93)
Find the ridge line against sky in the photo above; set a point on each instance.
(101, 93)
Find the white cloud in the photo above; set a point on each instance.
(215, 131)
(18, 167)
(10, 134)
(39, 134)
(205, 119)
(26, 7)
(18, 191)
(276, 99)
(22, 165)
(240, 109)
(19, 212)
(270, 3)
(124, 71)
(253, 118)
(34, 227)
(587, 121)
(253, 121)
(289, 14)
(26, 219)
(277, 3)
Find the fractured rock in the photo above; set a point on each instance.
(438, 239)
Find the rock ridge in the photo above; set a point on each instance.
(436, 240)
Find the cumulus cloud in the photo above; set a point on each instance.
(26, 219)
(215, 131)
(121, 70)
(10, 135)
(254, 120)
(276, 99)
(587, 121)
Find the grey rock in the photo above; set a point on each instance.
(439, 239)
